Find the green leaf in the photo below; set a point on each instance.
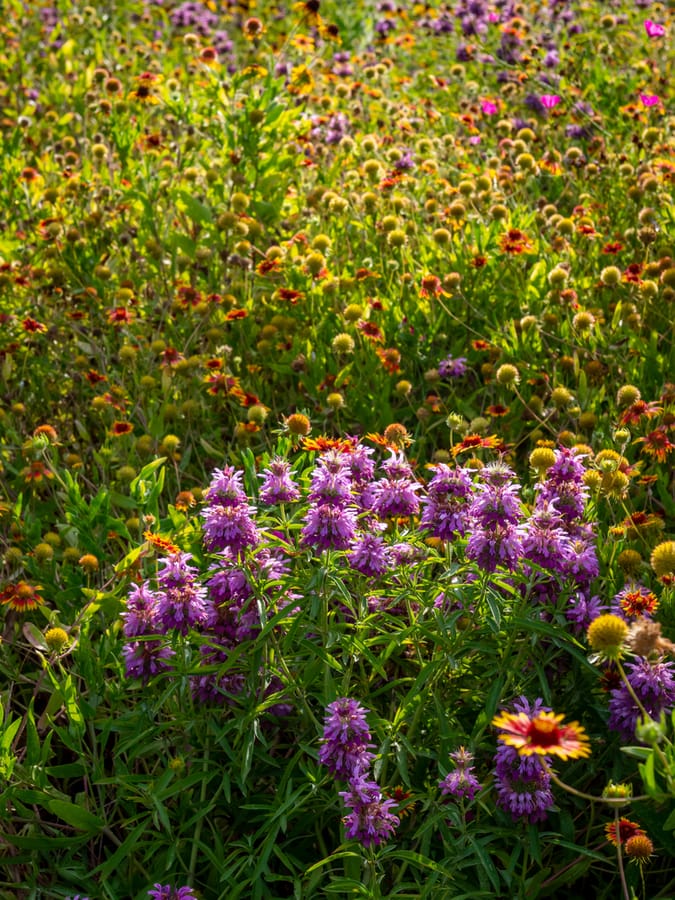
(75, 815)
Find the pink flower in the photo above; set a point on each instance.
(488, 107)
(653, 29)
(650, 99)
(549, 101)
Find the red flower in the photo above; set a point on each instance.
(32, 326)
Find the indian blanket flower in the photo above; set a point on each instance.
(622, 830)
(634, 602)
(370, 821)
(542, 733)
(606, 635)
(346, 739)
(461, 783)
(653, 684)
(21, 597)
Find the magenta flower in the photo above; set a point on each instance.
(650, 100)
(653, 29)
(550, 101)
(489, 108)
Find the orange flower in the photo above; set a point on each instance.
(160, 543)
(121, 428)
(474, 441)
(622, 831)
(637, 410)
(515, 241)
(371, 331)
(323, 443)
(657, 444)
(542, 734)
(119, 315)
(21, 597)
(32, 326)
(390, 359)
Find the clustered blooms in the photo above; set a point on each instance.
(523, 783)
(652, 683)
(345, 752)
(349, 505)
(460, 783)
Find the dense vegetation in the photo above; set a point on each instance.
(337, 398)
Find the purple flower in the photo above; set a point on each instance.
(346, 739)
(523, 785)
(396, 493)
(545, 542)
(495, 505)
(493, 547)
(461, 783)
(140, 616)
(180, 598)
(229, 526)
(654, 686)
(328, 526)
(446, 505)
(145, 659)
(369, 555)
(168, 892)
(278, 486)
(452, 368)
(582, 610)
(370, 821)
(226, 489)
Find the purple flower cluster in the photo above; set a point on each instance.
(396, 493)
(495, 532)
(148, 657)
(345, 752)
(460, 783)
(168, 892)
(278, 486)
(653, 684)
(446, 504)
(346, 739)
(228, 521)
(522, 783)
(449, 367)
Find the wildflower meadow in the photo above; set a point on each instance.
(337, 429)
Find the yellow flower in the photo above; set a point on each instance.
(606, 635)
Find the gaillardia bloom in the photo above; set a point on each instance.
(542, 734)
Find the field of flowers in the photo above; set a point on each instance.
(337, 419)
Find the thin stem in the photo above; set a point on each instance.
(611, 801)
(619, 856)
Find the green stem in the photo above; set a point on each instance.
(200, 821)
(611, 801)
(619, 857)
